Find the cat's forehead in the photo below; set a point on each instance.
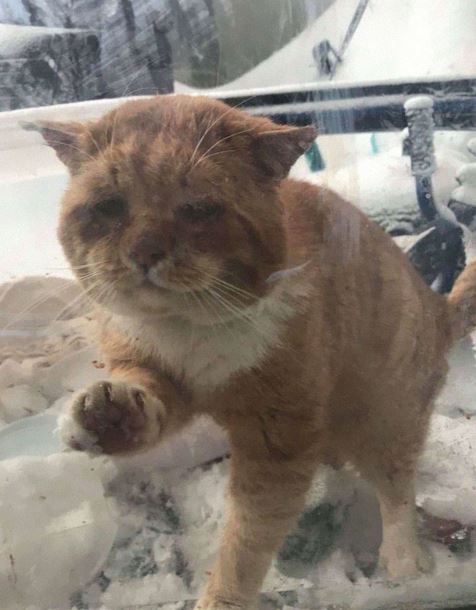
(186, 118)
(167, 140)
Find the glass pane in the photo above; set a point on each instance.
(226, 311)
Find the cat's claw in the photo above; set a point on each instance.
(113, 417)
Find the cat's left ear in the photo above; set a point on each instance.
(278, 149)
(62, 137)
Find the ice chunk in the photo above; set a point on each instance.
(56, 529)
(30, 436)
(74, 372)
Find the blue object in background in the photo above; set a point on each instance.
(373, 143)
(314, 158)
(32, 436)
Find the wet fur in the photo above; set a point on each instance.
(337, 363)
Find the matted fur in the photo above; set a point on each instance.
(178, 221)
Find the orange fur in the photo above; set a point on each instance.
(337, 362)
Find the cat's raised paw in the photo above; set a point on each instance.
(113, 417)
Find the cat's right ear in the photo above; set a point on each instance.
(64, 138)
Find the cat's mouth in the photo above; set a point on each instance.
(160, 285)
(156, 284)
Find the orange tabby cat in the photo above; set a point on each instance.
(178, 222)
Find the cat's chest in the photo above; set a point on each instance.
(208, 357)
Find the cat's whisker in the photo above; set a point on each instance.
(236, 313)
(252, 322)
(233, 309)
(94, 141)
(223, 323)
(90, 266)
(246, 316)
(196, 297)
(92, 275)
(76, 302)
(237, 298)
(244, 294)
(34, 305)
(221, 152)
(76, 267)
(205, 155)
(105, 297)
(114, 122)
(226, 284)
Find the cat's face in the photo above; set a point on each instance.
(173, 205)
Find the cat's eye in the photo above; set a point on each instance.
(200, 211)
(110, 208)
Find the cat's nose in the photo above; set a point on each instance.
(146, 252)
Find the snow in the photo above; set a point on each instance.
(33, 435)
(383, 185)
(466, 191)
(395, 38)
(467, 174)
(450, 490)
(419, 102)
(11, 373)
(56, 529)
(14, 38)
(465, 194)
(293, 63)
(392, 40)
(419, 114)
(471, 145)
(13, 10)
(20, 401)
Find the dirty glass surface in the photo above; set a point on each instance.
(390, 85)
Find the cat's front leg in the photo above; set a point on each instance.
(265, 498)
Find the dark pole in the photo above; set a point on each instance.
(419, 115)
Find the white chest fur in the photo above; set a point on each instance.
(207, 356)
